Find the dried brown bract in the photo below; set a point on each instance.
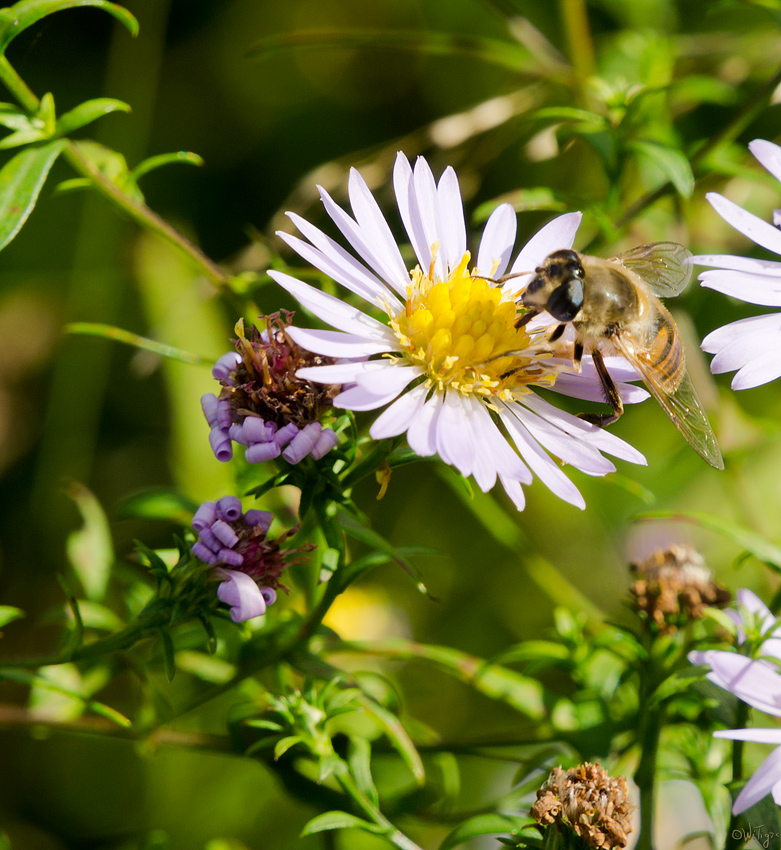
(673, 586)
(587, 800)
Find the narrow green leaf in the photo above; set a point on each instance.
(671, 162)
(588, 122)
(169, 657)
(338, 820)
(27, 12)
(487, 824)
(761, 548)
(8, 614)
(90, 549)
(284, 744)
(21, 180)
(121, 335)
(534, 650)
(359, 760)
(87, 112)
(72, 185)
(154, 162)
(23, 137)
(398, 736)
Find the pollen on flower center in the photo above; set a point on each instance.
(460, 331)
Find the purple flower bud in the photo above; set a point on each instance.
(302, 443)
(325, 442)
(261, 452)
(221, 444)
(259, 519)
(224, 533)
(205, 555)
(224, 418)
(206, 536)
(256, 430)
(269, 595)
(204, 516)
(209, 405)
(228, 556)
(225, 365)
(285, 434)
(242, 594)
(236, 433)
(229, 508)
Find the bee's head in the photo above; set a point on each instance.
(557, 286)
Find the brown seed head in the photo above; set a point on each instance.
(587, 800)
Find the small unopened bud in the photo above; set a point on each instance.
(585, 800)
(673, 587)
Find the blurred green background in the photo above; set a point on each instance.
(271, 113)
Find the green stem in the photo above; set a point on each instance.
(137, 210)
(650, 726)
(734, 832)
(380, 450)
(581, 45)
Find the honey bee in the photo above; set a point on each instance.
(613, 308)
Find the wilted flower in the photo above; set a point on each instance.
(756, 682)
(673, 587)
(588, 801)
(451, 336)
(248, 562)
(750, 345)
(263, 405)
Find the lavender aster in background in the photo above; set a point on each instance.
(751, 345)
(446, 337)
(248, 563)
(756, 682)
(263, 406)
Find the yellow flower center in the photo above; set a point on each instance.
(462, 332)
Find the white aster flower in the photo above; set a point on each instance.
(447, 338)
(757, 682)
(750, 345)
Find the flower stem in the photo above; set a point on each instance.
(734, 833)
(137, 210)
(581, 45)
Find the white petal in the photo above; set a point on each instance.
(761, 783)
(737, 332)
(332, 310)
(497, 242)
(748, 286)
(358, 239)
(375, 229)
(768, 154)
(408, 209)
(337, 344)
(421, 434)
(514, 491)
(426, 200)
(739, 264)
(760, 736)
(557, 234)
(743, 348)
(574, 386)
(343, 373)
(370, 396)
(329, 256)
(541, 464)
(759, 371)
(754, 605)
(598, 437)
(451, 217)
(453, 435)
(755, 682)
(398, 417)
(494, 454)
(747, 223)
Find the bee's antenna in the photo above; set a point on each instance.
(500, 279)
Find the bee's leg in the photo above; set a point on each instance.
(526, 318)
(557, 333)
(612, 395)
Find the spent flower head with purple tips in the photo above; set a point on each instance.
(457, 374)
(748, 347)
(263, 405)
(250, 564)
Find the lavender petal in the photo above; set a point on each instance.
(256, 430)
(229, 508)
(221, 444)
(236, 433)
(224, 418)
(228, 556)
(269, 595)
(261, 452)
(204, 516)
(285, 434)
(225, 365)
(302, 443)
(224, 533)
(207, 537)
(242, 594)
(209, 405)
(259, 519)
(204, 554)
(325, 442)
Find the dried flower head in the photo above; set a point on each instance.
(587, 800)
(673, 587)
(248, 562)
(263, 405)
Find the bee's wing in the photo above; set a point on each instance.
(683, 406)
(663, 266)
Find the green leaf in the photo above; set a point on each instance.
(23, 137)
(670, 161)
(87, 112)
(284, 744)
(677, 683)
(359, 760)
(398, 737)
(120, 335)
(169, 658)
(21, 180)
(488, 824)
(27, 12)
(154, 162)
(761, 548)
(534, 650)
(112, 165)
(8, 614)
(339, 820)
(761, 821)
(587, 122)
(90, 550)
